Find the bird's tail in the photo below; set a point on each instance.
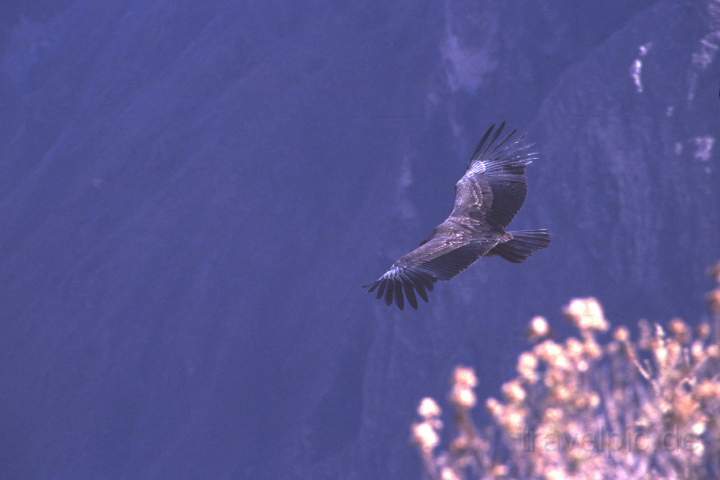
(522, 245)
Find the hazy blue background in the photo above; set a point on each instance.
(192, 193)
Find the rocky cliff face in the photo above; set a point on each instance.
(192, 193)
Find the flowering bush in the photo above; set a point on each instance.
(643, 408)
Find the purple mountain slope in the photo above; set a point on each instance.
(192, 194)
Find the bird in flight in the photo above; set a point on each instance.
(486, 199)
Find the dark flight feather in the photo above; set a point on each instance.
(399, 300)
(410, 293)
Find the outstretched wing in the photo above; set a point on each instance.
(494, 186)
(416, 272)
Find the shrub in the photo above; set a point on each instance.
(586, 408)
